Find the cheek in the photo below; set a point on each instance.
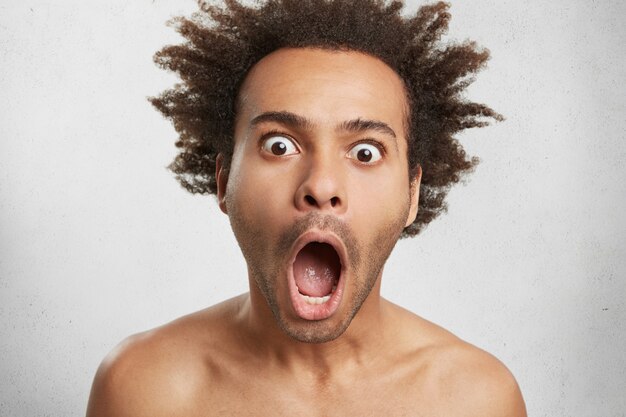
(384, 186)
(381, 200)
(259, 195)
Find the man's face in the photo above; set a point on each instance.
(318, 189)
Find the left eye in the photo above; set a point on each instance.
(279, 146)
(365, 152)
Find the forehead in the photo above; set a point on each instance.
(327, 87)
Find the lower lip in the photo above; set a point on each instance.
(309, 311)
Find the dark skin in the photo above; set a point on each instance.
(247, 355)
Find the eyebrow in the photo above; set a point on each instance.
(361, 125)
(300, 122)
(283, 117)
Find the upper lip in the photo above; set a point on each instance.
(316, 235)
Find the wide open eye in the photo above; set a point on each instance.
(366, 153)
(279, 145)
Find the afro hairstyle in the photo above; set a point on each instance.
(222, 43)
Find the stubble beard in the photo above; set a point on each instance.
(264, 266)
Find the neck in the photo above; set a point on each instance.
(360, 343)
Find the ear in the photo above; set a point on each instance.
(414, 196)
(221, 177)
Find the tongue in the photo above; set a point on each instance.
(316, 269)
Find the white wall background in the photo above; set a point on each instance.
(97, 241)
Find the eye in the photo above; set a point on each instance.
(279, 145)
(365, 152)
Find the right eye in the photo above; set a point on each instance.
(279, 146)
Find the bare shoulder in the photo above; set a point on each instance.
(460, 378)
(161, 372)
(482, 384)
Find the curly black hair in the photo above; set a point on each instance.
(223, 43)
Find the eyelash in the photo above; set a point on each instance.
(275, 132)
(381, 147)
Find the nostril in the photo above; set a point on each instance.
(334, 201)
(310, 200)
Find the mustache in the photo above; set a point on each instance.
(322, 222)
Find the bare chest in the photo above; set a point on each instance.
(259, 394)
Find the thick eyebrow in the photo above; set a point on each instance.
(361, 125)
(283, 117)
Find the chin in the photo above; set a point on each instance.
(314, 332)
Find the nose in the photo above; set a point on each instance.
(322, 187)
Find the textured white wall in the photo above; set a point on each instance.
(97, 241)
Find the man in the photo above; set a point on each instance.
(325, 130)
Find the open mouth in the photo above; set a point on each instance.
(316, 277)
(316, 270)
